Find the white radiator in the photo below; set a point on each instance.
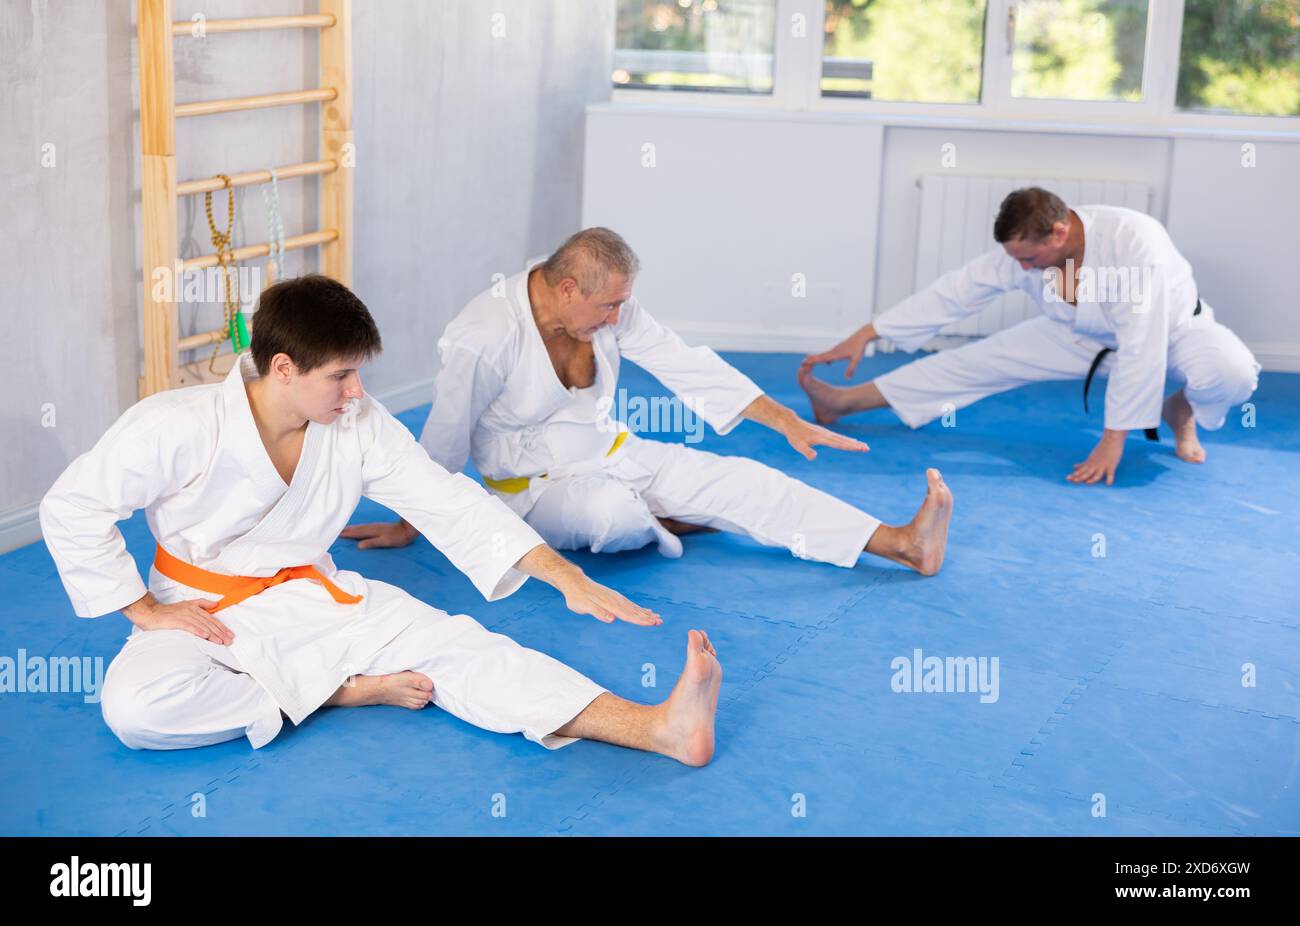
(957, 214)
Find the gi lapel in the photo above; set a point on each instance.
(244, 555)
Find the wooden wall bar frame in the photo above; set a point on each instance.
(156, 31)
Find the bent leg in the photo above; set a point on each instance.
(1036, 350)
(598, 512)
(1218, 370)
(168, 689)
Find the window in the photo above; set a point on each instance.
(715, 45)
(1090, 60)
(1078, 49)
(922, 51)
(1240, 56)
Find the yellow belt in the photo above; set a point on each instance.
(516, 484)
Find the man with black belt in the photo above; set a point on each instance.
(1117, 298)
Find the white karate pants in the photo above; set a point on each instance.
(617, 506)
(169, 689)
(1218, 371)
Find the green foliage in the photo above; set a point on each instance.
(1237, 55)
(1241, 56)
(921, 50)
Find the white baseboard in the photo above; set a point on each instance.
(767, 340)
(19, 527)
(1277, 358)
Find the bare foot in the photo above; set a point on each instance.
(685, 729)
(1178, 414)
(830, 403)
(921, 544)
(679, 528)
(401, 689)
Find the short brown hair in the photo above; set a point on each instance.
(589, 257)
(314, 320)
(1030, 214)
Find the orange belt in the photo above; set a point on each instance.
(235, 589)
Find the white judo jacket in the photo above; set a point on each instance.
(498, 399)
(1135, 289)
(193, 460)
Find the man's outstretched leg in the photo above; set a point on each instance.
(1035, 350)
(921, 543)
(748, 497)
(680, 728)
(831, 403)
(491, 681)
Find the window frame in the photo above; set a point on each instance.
(797, 70)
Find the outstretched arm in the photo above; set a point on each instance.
(802, 435)
(851, 349)
(581, 594)
(916, 319)
(483, 538)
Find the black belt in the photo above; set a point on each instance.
(1151, 433)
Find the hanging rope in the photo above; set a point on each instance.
(274, 229)
(221, 242)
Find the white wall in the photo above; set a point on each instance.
(733, 215)
(741, 199)
(913, 152)
(1233, 214)
(468, 160)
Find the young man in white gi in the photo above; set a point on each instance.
(527, 380)
(246, 484)
(1109, 281)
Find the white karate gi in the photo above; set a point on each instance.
(497, 398)
(1149, 324)
(193, 459)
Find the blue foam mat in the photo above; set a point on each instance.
(1120, 677)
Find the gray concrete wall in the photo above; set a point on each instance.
(469, 147)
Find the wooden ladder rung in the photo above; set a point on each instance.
(202, 340)
(235, 104)
(252, 24)
(305, 169)
(262, 250)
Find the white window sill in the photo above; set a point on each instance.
(973, 117)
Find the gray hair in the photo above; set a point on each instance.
(589, 257)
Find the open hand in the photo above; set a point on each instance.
(383, 534)
(604, 604)
(192, 616)
(804, 435)
(1101, 463)
(851, 349)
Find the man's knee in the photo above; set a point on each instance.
(1230, 381)
(128, 713)
(142, 686)
(614, 516)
